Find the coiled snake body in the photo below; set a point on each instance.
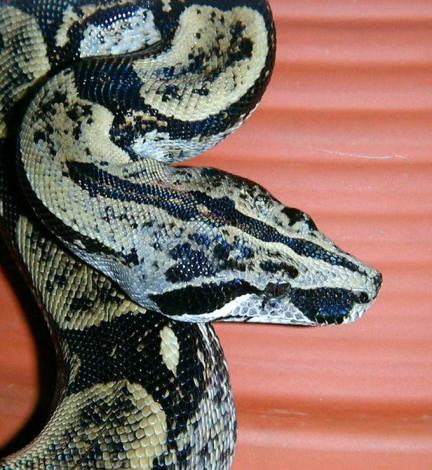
(129, 257)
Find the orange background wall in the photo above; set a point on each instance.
(344, 133)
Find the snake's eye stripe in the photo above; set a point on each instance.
(197, 300)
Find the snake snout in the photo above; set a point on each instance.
(377, 281)
(369, 292)
(321, 305)
(325, 306)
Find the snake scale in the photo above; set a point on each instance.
(129, 256)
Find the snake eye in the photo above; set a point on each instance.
(118, 31)
(277, 289)
(362, 298)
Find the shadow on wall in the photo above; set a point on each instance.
(45, 351)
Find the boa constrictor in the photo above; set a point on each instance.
(129, 257)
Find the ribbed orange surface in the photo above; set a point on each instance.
(344, 133)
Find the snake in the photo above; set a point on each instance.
(129, 252)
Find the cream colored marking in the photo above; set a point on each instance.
(89, 10)
(125, 34)
(166, 6)
(32, 63)
(169, 349)
(69, 18)
(102, 146)
(151, 420)
(200, 356)
(226, 310)
(228, 87)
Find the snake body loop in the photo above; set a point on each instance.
(130, 257)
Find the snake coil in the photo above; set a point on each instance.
(130, 257)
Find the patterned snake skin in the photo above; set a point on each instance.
(129, 257)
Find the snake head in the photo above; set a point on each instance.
(205, 245)
(247, 257)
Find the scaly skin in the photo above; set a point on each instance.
(130, 257)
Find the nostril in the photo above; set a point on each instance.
(378, 281)
(362, 298)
